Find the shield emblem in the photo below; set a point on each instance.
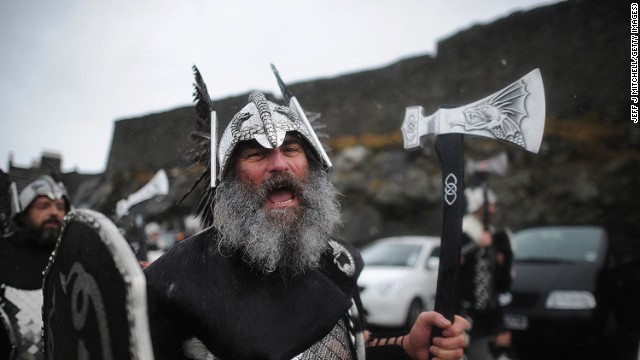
(95, 303)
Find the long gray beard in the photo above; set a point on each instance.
(290, 240)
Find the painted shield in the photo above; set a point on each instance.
(94, 294)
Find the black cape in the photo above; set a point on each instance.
(238, 313)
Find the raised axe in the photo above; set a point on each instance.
(515, 114)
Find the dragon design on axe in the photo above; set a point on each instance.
(501, 114)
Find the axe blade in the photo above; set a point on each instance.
(515, 114)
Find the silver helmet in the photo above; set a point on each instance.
(43, 186)
(265, 122)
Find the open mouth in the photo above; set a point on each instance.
(282, 191)
(281, 196)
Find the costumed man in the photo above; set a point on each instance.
(267, 280)
(485, 278)
(23, 258)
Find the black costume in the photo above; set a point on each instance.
(238, 313)
(23, 259)
(241, 314)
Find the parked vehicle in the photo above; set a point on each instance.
(399, 279)
(559, 298)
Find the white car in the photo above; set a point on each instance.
(399, 279)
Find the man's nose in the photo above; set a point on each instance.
(277, 162)
(55, 211)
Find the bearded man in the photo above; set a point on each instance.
(267, 280)
(23, 258)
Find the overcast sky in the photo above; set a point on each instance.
(70, 68)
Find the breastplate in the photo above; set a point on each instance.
(341, 343)
(337, 345)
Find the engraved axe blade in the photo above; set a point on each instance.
(515, 114)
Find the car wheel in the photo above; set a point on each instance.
(415, 308)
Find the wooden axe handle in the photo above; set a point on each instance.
(451, 155)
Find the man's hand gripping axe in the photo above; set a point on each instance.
(515, 114)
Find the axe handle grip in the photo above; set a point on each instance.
(449, 148)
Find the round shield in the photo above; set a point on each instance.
(94, 294)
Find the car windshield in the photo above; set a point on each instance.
(404, 255)
(557, 245)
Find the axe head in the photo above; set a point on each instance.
(495, 165)
(515, 114)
